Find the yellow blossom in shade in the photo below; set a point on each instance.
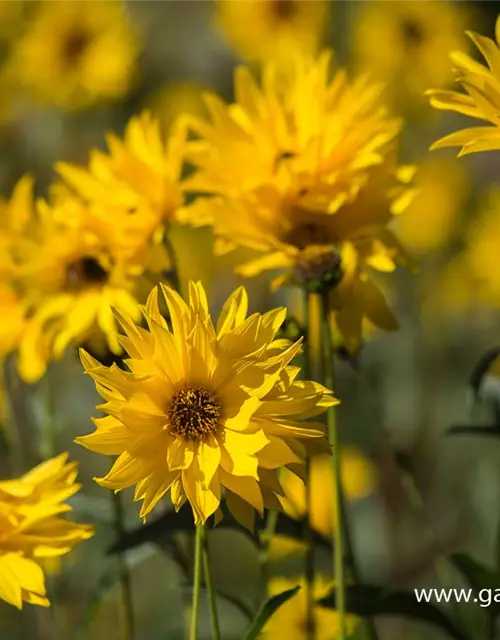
(15, 215)
(432, 218)
(71, 270)
(472, 277)
(291, 621)
(140, 173)
(32, 529)
(311, 184)
(274, 29)
(204, 408)
(74, 54)
(481, 100)
(406, 44)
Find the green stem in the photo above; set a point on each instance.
(338, 527)
(216, 634)
(267, 537)
(312, 369)
(126, 586)
(198, 552)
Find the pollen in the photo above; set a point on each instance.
(194, 413)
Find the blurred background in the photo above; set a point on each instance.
(72, 71)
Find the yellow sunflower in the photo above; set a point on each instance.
(74, 54)
(32, 528)
(290, 620)
(312, 184)
(273, 29)
(71, 269)
(481, 100)
(140, 173)
(15, 214)
(204, 408)
(405, 43)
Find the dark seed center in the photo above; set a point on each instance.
(193, 413)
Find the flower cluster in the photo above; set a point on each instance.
(32, 529)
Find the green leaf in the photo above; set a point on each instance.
(93, 603)
(477, 575)
(370, 600)
(488, 431)
(268, 608)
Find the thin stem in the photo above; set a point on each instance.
(216, 634)
(267, 536)
(338, 527)
(198, 552)
(126, 586)
(312, 369)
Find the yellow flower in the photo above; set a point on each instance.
(71, 269)
(472, 278)
(74, 54)
(204, 408)
(481, 100)
(311, 184)
(272, 30)
(141, 173)
(15, 215)
(431, 220)
(31, 528)
(290, 620)
(405, 43)
(358, 481)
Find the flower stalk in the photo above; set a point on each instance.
(198, 553)
(338, 528)
(126, 586)
(212, 603)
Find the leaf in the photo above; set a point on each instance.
(370, 600)
(268, 608)
(477, 575)
(481, 369)
(489, 431)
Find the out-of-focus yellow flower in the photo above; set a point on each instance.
(406, 44)
(141, 174)
(473, 278)
(72, 269)
(358, 481)
(32, 528)
(290, 620)
(218, 408)
(442, 189)
(481, 100)
(273, 30)
(175, 100)
(310, 184)
(74, 54)
(15, 215)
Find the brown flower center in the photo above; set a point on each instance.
(283, 10)
(413, 34)
(194, 413)
(75, 44)
(85, 271)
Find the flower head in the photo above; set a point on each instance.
(311, 185)
(405, 44)
(31, 528)
(140, 173)
(274, 30)
(290, 620)
(204, 408)
(71, 266)
(481, 100)
(74, 54)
